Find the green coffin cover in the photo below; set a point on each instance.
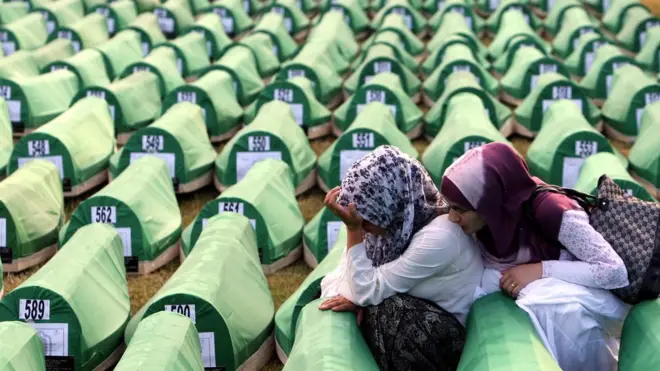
(179, 138)
(61, 13)
(19, 64)
(607, 163)
(312, 63)
(274, 25)
(332, 27)
(555, 18)
(122, 50)
(454, 24)
(413, 20)
(298, 93)
(274, 133)
(235, 20)
(223, 289)
(191, 53)
(239, 61)
(458, 6)
(599, 6)
(266, 197)
(551, 88)
(501, 335)
(210, 25)
(166, 341)
(495, 20)
(286, 318)
(580, 61)
(373, 126)
(632, 90)
(26, 33)
(527, 66)
(88, 65)
(134, 101)
(83, 282)
(118, 14)
(396, 23)
(146, 24)
(148, 224)
(436, 56)
(387, 89)
(649, 56)
(637, 23)
(293, 17)
(22, 348)
(644, 155)
(265, 51)
(174, 17)
(12, 11)
(36, 100)
(79, 141)
(6, 140)
(598, 82)
(31, 208)
(88, 32)
(328, 340)
(514, 24)
(382, 58)
(576, 23)
(457, 57)
(460, 83)
(162, 63)
(353, 13)
(320, 235)
(615, 16)
(55, 50)
(503, 63)
(393, 41)
(466, 126)
(639, 339)
(566, 139)
(214, 93)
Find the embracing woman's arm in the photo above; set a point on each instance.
(431, 250)
(599, 266)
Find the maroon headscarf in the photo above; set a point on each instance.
(494, 181)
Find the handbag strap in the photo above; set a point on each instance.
(586, 201)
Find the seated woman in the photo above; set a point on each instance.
(415, 273)
(540, 249)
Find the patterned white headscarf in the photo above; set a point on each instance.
(393, 191)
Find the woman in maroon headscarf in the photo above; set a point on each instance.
(533, 252)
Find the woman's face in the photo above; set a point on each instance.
(469, 221)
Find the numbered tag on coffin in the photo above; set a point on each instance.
(187, 310)
(34, 309)
(289, 96)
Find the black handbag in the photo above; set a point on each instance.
(632, 228)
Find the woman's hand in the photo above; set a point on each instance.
(338, 304)
(349, 216)
(517, 278)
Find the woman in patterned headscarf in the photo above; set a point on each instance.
(415, 273)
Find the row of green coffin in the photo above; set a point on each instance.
(243, 85)
(86, 281)
(232, 327)
(178, 136)
(556, 154)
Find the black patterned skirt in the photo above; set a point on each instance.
(407, 333)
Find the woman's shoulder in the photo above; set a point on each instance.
(441, 228)
(548, 209)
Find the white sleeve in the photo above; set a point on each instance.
(599, 266)
(431, 250)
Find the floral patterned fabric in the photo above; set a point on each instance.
(393, 191)
(408, 333)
